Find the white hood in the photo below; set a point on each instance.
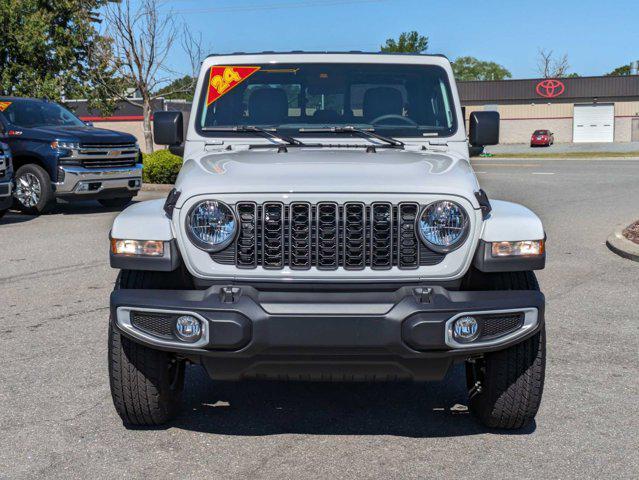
(325, 170)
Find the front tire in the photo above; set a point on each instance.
(146, 384)
(505, 387)
(33, 194)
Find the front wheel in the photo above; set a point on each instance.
(146, 384)
(505, 387)
(33, 194)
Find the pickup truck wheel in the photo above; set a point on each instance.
(505, 387)
(33, 194)
(146, 384)
(115, 202)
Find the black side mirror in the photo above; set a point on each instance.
(484, 128)
(88, 124)
(168, 128)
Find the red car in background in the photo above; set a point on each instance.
(542, 138)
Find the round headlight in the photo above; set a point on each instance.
(443, 226)
(211, 225)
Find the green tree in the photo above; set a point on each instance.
(45, 50)
(408, 42)
(619, 71)
(469, 68)
(179, 89)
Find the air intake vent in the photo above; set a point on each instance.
(273, 235)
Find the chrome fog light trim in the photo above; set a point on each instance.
(531, 320)
(123, 319)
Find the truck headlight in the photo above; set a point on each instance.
(211, 225)
(443, 226)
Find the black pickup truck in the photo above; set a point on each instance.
(57, 155)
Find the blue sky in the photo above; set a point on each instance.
(597, 36)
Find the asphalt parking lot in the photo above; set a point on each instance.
(57, 420)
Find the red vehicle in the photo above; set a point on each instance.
(542, 138)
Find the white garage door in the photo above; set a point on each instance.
(594, 123)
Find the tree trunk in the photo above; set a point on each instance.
(148, 134)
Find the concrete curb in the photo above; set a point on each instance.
(156, 187)
(623, 247)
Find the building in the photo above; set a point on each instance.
(581, 109)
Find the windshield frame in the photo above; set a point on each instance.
(420, 134)
(6, 120)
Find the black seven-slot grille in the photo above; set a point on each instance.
(327, 235)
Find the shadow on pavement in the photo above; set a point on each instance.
(415, 410)
(82, 207)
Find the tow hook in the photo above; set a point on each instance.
(423, 294)
(230, 294)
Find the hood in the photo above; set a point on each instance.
(328, 171)
(84, 134)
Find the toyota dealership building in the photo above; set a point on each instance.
(583, 109)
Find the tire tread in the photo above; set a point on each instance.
(513, 378)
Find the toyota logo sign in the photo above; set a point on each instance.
(550, 88)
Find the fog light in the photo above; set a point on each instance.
(188, 328)
(465, 329)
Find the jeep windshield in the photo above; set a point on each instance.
(318, 100)
(37, 113)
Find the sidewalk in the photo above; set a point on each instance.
(577, 149)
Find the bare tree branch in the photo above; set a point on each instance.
(143, 36)
(549, 67)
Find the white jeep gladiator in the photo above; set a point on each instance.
(327, 225)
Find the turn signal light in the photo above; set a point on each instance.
(147, 248)
(518, 249)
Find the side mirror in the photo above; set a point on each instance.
(88, 124)
(168, 128)
(484, 128)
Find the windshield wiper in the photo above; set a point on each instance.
(361, 132)
(262, 131)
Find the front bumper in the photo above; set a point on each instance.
(91, 182)
(399, 334)
(6, 190)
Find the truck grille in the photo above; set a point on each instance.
(327, 235)
(93, 155)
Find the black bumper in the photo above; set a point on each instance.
(382, 335)
(6, 198)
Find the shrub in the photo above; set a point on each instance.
(161, 167)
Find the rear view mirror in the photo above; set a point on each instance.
(168, 128)
(484, 128)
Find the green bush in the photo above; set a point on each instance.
(161, 167)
